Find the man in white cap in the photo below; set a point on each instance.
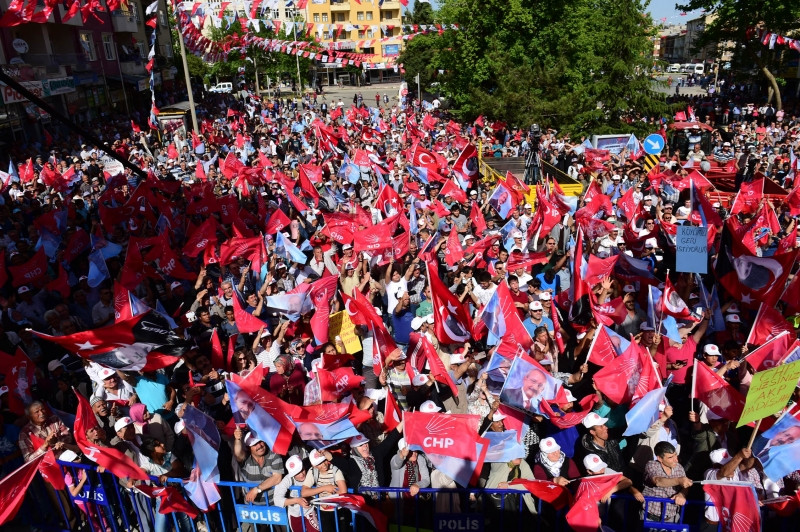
(257, 463)
(298, 508)
(325, 479)
(408, 470)
(552, 464)
(711, 354)
(536, 318)
(597, 441)
(725, 466)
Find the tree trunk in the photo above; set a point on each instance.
(774, 86)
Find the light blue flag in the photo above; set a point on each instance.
(351, 172)
(137, 305)
(49, 242)
(161, 311)
(106, 248)
(205, 455)
(284, 248)
(492, 316)
(503, 447)
(506, 231)
(12, 169)
(644, 413)
(98, 271)
(633, 144)
(587, 144)
(778, 449)
(420, 173)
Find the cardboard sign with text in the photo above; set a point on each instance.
(340, 325)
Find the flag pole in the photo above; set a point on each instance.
(694, 383)
(661, 319)
(754, 434)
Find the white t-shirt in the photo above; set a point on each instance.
(391, 292)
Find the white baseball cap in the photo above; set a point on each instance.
(106, 373)
(457, 358)
(251, 439)
(592, 419)
(733, 318)
(316, 457)
(549, 445)
(68, 456)
(593, 463)
(535, 305)
(497, 416)
(358, 440)
(711, 350)
(417, 322)
(179, 426)
(419, 379)
(545, 296)
(122, 423)
(733, 309)
(429, 407)
(401, 444)
(720, 456)
(629, 288)
(174, 285)
(294, 465)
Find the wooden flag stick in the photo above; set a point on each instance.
(754, 434)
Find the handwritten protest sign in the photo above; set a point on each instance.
(769, 392)
(340, 325)
(691, 246)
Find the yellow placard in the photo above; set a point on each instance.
(769, 391)
(340, 325)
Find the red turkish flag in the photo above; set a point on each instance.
(422, 157)
(771, 353)
(627, 204)
(450, 189)
(791, 296)
(108, 457)
(793, 201)
(388, 201)
(357, 504)
(557, 496)
(467, 163)
(671, 304)
(584, 515)
(453, 252)
(768, 324)
(33, 272)
(359, 309)
(392, 414)
(749, 197)
(14, 487)
(452, 323)
(737, 505)
(51, 472)
(476, 216)
(719, 396)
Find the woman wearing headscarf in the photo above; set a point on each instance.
(289, 380)
(151, 425)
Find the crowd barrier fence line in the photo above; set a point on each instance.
(103, 505)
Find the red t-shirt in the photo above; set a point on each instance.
(686, 353)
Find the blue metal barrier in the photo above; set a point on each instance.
(103, 504)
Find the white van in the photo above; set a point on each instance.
(700, 69)
(225, 87)
(674, 68)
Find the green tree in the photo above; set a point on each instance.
(736, 21)
(576, 65)
(418, 58)
(421, 14)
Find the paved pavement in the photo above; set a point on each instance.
(684, 91)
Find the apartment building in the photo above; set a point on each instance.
(83, 69)
(344, 25)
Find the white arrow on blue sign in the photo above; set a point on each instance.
(653, 144)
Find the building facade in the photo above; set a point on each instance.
(82, 69)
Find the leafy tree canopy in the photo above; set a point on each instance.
(576, 65)
(737, 21)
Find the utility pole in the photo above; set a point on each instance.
(419, 91)
(296, 56)
(186, 77)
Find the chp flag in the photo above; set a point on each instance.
(144, 342)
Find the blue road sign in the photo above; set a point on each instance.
(653, 144)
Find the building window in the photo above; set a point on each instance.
(108, 47)
(368, 50)
(134, 9)
(369, 34)
(167, 50)
(88, 45)
(339, 17)
(360, 34)
(324, 17)
(140, 46)
(162, 18)
(276, 13)
(316, 17)
(360, 15)
(369, 15)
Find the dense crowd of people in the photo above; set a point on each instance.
(275, 197)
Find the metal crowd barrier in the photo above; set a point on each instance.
(103, 505)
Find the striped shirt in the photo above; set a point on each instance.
(252, 472)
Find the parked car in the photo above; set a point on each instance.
(226, 87)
